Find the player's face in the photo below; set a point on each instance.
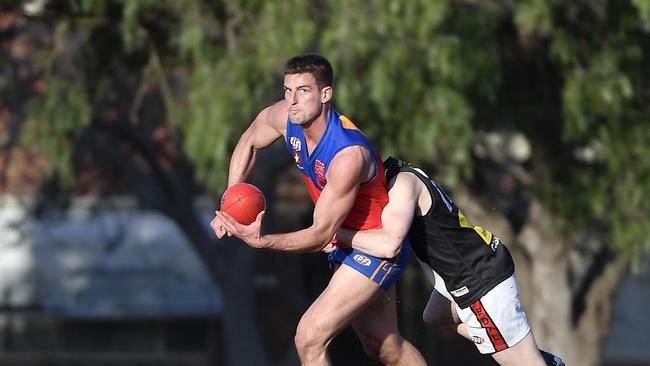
(304, 97)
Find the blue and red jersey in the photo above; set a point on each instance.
(339, 134)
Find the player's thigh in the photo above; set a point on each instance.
(347, 294)
(439, 311)
(525, 352)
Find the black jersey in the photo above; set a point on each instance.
(469, 258)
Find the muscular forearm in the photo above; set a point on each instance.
(377, 243)
(307, 240)
(241, 163)
(263, 131)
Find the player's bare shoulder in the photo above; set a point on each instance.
(354, 161)
(276, 115)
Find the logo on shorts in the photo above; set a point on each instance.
(362, 259)
(518, 308)
(460, 291)
(478, 340)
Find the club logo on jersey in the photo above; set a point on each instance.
(297, 146)
(478, 340)
(295, 143)
(319, 168)
(362, 259)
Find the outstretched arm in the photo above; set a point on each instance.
(347, 170)
(268, 126)
(396, 220)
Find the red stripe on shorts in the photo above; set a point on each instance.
(493, 332)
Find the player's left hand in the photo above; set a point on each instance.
(250, 234)
(217, 226)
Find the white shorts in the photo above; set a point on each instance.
(496, 321)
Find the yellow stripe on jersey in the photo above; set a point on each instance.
(464, 222)
(346, 123)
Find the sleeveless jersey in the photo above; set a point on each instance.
(469, 258)
(339, 133)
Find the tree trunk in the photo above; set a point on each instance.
(575, 333)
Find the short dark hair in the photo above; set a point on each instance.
(314, 64)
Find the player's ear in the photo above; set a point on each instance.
(326, 94)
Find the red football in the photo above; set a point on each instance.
(243, 202)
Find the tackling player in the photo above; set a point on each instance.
(474, 280)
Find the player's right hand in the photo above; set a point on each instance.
(249, 234)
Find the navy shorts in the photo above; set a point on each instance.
(383, 271)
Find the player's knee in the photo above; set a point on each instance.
(307, 341)
(302, 340)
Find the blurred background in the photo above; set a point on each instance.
(117, 120)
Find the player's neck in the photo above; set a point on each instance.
(314, 130)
